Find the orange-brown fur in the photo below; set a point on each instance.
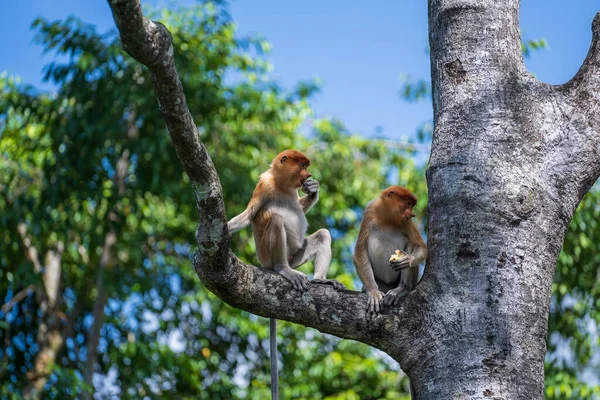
(276, 213)
(387, 223)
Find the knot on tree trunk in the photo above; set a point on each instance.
(455, 71)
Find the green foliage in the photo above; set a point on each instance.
(165, 335)
(531, 45)
(574, 317)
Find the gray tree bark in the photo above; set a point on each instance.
(511, 159)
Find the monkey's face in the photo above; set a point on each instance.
(408, 210)
(292, 167)
(400, 202)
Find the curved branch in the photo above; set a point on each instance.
(256, 290)
(581, 147)
(587, 77)
(344, 313)
(150, 43)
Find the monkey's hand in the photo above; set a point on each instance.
(336, 285)
(401, 263)
(394, 296)
(311, 187)
(298, 279)
(375, 297)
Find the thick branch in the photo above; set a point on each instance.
(344, 314)
(588, 77)
(579, 152)
(256, 290)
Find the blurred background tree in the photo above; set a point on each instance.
(97, 293)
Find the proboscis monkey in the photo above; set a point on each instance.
(387, 226)
(279, 225)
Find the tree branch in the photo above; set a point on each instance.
(150, 43)
(587, 78)
(256, 290)
(17, 298)
(576, 152)
(32, 255)
(30, 250)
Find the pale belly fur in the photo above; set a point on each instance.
(295, 224)
(382, 244)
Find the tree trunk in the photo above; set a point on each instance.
(107, 257)
(50, 338)
(93, 337)
(511, 159)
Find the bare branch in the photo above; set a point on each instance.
(151, 44)
(344, 314)
(30, 250)
(576, 147)
(32, 255)
(17, 298)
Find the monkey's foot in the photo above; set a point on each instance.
(395, 296)
(336, 285)
(373, 305)
(298, 280)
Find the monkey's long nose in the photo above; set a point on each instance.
(309, 176)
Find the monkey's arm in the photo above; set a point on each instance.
(311, 188)
(363, 264)
(417, 250)
(245, 218)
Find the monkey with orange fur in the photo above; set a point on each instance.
(279, 225)
(387, 226)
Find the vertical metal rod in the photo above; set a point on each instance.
(273, 350)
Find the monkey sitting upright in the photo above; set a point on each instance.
(279, 224)
(386, 227)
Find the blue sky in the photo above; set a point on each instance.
(358, 49)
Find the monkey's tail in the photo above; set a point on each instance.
(273, 353)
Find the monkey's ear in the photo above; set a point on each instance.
(390, 194)
(284, 159)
